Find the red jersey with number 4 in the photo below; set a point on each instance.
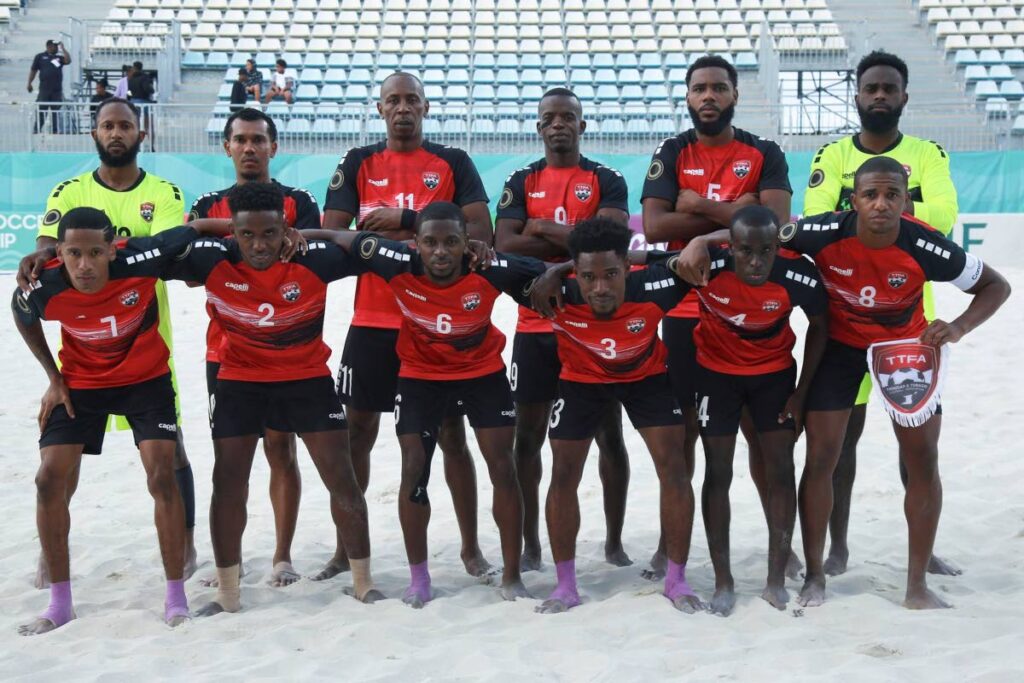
(624, 347)
(300, 212)
(563, 195)
(272, 319)
(375, 177)
(747, 164)
(875, 294)
(743, 329)
(446, 332)
(108, 338)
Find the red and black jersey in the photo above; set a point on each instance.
(109, 338)
(375, 177)
(446, 332)
(624, 347)
(875, 294)
(563, 195)
(743, 329)
(300, 212)
(723, 173)
(272, 319)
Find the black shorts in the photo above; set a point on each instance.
(677, 333)
(535, 367)
(300, 406)
(421, 404)
(148, 407)
(368, 374)
(580, 407)
(837, 381)
(721, 398)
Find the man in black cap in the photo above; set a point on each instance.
(50, 67)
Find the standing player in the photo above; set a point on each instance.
(745, 362)
(539, 207)
(250, 139)
(113, 358)
(696, 182)
(450, 352)
(383, 186)
(874, 264)
(607, 330)
(881, 96)
(139, 204)
(273, 374)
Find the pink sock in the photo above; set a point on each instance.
(60, 610)
(566, 592)
(419, 586)
(675, 581)
(175, 604)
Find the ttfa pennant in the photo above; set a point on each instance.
(908, 377)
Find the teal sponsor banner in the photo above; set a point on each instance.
(987, 182)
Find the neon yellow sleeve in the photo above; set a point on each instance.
(939, 208)
(170, 210)
(825, 184)
(62, 198)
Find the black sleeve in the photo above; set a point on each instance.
(330, 262)
(775, 172)
(657, 284)
(149, 256)
(201, 206)
(196, 262)
(614, 193)
(26, 307)
(382, 257)
(659, 256)
(804, 285)
(942, 259)
(307, 212)
(469, 188)
(513, 274)
(661, 181)
(513, 196)
(719, 258)
(811, 234)
(342, 192)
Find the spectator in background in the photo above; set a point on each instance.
(121, 90)
(50, 67)
(280, 84)
(240, 91)
(140, 86)
(101, 94)
(253, 79)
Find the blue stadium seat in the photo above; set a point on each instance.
(989, 56)
(328, 110)
(626, 60)
(483, 91)
(194, 60)
(612, 126)
(649, 59)
(663, 126)
(656, 93)
(985, 89)
(632, 93)
(627, 77)
(532, 94)
(459, 60)
(508, 127)
(316, 60)
(453, 127)
(482, 127)
(1014, 57)
(579, 60)
(434, 61)
(432, 76)
(433, 92)
(975, 72)
(294, 59)
(336, 76)
(431, 126)
(311, 76)
(638, 126)
(265, 60)
(215, 126)
(507, 61)
(385, 60)
(307, 92)
(304, 108)
(554, 60)
(485, 76)
(603, 60)
(376, 127)
(1017, 129)
(508, 93)
(364, 60)
(350, 126)
(224, 93)
(997, 107)
(530, 61)
(746, 60)
(555, 77)
(652, 76)
(483, 61)
(356, 92)
(607, 93)
(238, 59)
(532, 76)
(1011, 90)
(677, 75)
(612, 110)
(456, 93)
(325, 126)
(361, 76)
(230, 75)
(338, 60)
(580, 77)
(458, 77)
(1000, 72)
(331, 92)
(675, 60)
(508, 76)
(298, 127)
(277, 109)
(584, 91)
(660, 109)
(965, 56)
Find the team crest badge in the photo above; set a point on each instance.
(130, 298)
(897, 279)
(146, 210)
(636, 325)
(471, 301)
(583, 192)
(291, 292)
(431, 180)
(908, 377)
(771, 305)
(741, 168)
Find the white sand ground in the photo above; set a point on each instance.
(624, 631)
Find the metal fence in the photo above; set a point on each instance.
(177, 128)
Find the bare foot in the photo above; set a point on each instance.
(689, 604)
(723, 601)
(190, 560)
(336, 565)
(835, 564)
(813, 593)
(209, 609)
(793, 566)
(284, 574)
(373, 595)
(777, 597)
(937, 565)
(37, 627)
(530, 561)
(214, 582)
(475, 563)
(657, 570)
(617, 556)
(924, 599)
(176, 619)
(514, 589)
(553, 606)
(42, 577)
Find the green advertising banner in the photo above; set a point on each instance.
(988, 183)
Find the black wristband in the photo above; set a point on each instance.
(408, 219)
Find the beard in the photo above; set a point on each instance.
(118, 160)
(879, 121)
(712, 128)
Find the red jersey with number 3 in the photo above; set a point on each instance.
(876, 294)
(446, 332)
(747, 164)
(375, 177)
(563, 195)
(743, 329)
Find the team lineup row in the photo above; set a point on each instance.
(431, 311)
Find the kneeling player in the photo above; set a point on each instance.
(607, 332)
(449, 351)
(273, 374)
(744, 360)
(113, 360)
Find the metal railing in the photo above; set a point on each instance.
(100, 44)
(178, 128)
